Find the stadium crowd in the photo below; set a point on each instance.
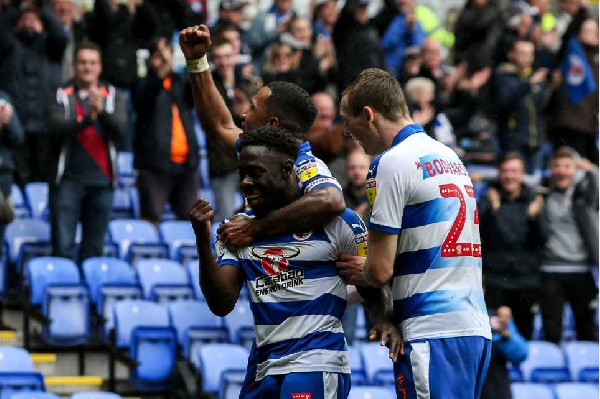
(511, 86)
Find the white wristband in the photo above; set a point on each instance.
(198, 65)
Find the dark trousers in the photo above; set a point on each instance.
(580, 291)
(71, 202)
(520, 301)
(32, 159)
(155, 189)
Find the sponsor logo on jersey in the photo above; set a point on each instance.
(371, 190)
(307, 171)
(434, 165)
(268, 284)
(361, 244)
(275, 260)
(302, 236)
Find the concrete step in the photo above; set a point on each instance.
(67, 385)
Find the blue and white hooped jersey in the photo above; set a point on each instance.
(297, 297)
(421, 191)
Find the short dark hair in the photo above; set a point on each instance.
(379, 90)
(219, 41)
(86, 45)
(564, 152)
(293, 106)
(274, 138)
(224, 26)
(156, 40)
(510, 156)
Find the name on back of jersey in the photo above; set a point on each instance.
(434, 164)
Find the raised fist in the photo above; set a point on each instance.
(195, 41)
(201, 215)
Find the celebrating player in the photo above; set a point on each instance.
(297, 297)
(423, 236)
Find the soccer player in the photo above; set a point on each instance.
(279, 104)
(297, 297)
(424, 238)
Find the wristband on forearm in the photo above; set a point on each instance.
(198, 65)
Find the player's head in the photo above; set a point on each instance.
(371, 105)
(266, 166)
(281, 104)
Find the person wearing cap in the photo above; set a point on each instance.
(232, 11)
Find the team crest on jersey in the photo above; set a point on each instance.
(302, 236)
(361, 244)
(307, 171)
(371, 190)
(275, 261)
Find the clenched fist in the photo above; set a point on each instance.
(201, 214)
(195, 41)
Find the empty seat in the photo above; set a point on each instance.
(522, 390)
(109, 280)
(163, 280)
(55, 285)
(582, 359)
(34, 395)
(371, 393)
(240, 323)
(180, 238)
(195, 324)
(37, 199)
(135, 202)
(378, 366)
(126, 176)
(193, 270)
(136, 239)
(19, 204)
(25, 239)
(545, 363)
(361, 324)
(356, 365)
(17, 373)
(575, 391)
(95, 395)
(231, 384)
(122, 207)
(143, 327)
(214, 359)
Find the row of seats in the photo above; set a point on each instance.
(568, 390)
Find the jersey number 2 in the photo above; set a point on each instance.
(451, 247)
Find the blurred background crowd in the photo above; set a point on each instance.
(511, 85)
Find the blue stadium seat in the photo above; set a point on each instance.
(126, 177)
(180, 238)
(208, 194)
(537, 327)
(135, 202)
(55, 284)
(18, 201)
(371, 393)
(109, 280)
(195, 324)
(240, 324)
(26, 239)
(37, 199)
(361, 324)
(193, 271)
(95, 395)
(122, 207)
(522, 390)
(231, 384)
(143, 327)
(17, 373)
(378, 366)
(582, 359)
(214, 359)
(136, 239)
(575, 390)
(33, 395)
(356, 365)
(163, 280)
(569, 332)
(545, 363)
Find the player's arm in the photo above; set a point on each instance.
(213, 114)
(220, 283)
(379, 267)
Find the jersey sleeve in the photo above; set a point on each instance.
(387, 191)
(225, 256)
(351, 234)
(312, 173)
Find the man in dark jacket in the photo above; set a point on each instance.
(85, 120)
(30, 69)
(512, 235)
(165, 145)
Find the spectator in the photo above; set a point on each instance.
(431, 61)
(326, 136)
(573, 13)
(520, 100)
(325, 17)
(571, 212)
(231, 11)
(513, 234)
(12, 136)
(507, 346)
(232, 33)
(31, 54)
(197, 12)
(411, 65)
(476, 30)
(576, 125)
(266, 27)
(85, 120)
(403, 31)
(355, 39)
(165, 145)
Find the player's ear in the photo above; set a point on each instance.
(368, 114)
(274, 121)
(288, 168)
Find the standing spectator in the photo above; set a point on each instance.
(576, 123)
(325, 17)
(411, 65)
(520, 100)
(197, 12)
(571, 212)
(31, 54)
(507, 346)
(573, 13)
(231, 11)
(513, 235)
(355, 39)
(85, 120)
(326, 136)
(11, 134)
(404, 31)
(165, 145)
(431, 61)
(266, 27)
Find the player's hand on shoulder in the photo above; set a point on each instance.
(238, 232)
(388, 335)
(350, 267)
(201, 214)
(195, 41)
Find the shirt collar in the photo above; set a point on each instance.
(407, 131)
